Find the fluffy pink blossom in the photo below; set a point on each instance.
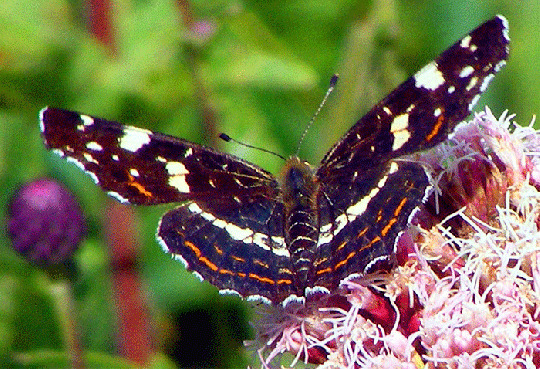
(465, 292)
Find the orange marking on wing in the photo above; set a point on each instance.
(392, 221)
(242, 275)
(400, 206)
(193, 248)
(322, 271)
(261, 279)
(362, 232)
(341, 246)
(238, 258)
(387, 227)
(284, 281)
(218, 250)
(436, 128)
(320, 261)
(226, 271)
(376, 239)
(140, 188)
(208, 263)
(260, 263)
(345, 261)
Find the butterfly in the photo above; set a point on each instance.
(282, 240)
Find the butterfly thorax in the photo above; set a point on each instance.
(301, 220)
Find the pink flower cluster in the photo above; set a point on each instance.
(465, 292)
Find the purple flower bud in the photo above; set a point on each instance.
(45, 223)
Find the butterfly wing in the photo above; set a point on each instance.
(231, 226)
(359, 228)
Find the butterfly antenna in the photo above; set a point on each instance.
(333, 82)
(228, 138)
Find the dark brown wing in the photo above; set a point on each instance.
(366, 200)
(230, 231)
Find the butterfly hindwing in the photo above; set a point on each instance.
(364, 235)
(233, 258)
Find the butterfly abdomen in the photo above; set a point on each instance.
(301, 220)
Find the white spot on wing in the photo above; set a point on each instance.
(134, 172)
(429, 77)
(257, 298)
(41, 123)
(499, 65)
(175, 168)
(92, 145)
(87, 120)
(74, 161)
(400, 139)
(134, 138)
(228, 291)
(162, 243)
(179, 182)
(196, 274)
(194, 208)
(393, 168)
(94, 177)
(89, 158)
(238, 233)
(316, 290)
(465, 42)
(472, 83)
(207, 216)
(293, 299)
(466, 71)
(399, 129)
(504, 22)
(59, 152)
(399, 123)
(177, 172)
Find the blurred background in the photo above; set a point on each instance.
(252, 69)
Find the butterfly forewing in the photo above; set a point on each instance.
(146, 168)
(422, 111)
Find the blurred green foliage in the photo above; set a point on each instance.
(260, 67)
